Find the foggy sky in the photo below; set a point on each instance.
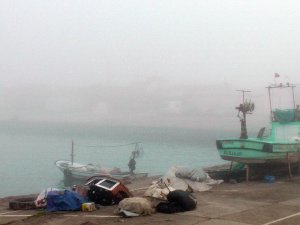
(144, 63)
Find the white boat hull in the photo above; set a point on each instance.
(77, 171)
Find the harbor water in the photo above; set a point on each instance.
(29, 151)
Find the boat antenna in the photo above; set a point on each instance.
(243, 91)
(244, 108)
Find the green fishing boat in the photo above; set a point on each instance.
(281, 145)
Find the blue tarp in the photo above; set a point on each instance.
(64, 201)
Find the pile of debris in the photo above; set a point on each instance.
(169, 194)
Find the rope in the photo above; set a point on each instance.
(107, 146)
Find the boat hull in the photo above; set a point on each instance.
(82, 172)
(255, 152)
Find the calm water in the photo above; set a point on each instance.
(28, 152)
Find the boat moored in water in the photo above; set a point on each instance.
(78, 171)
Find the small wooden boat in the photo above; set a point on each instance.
(78, 171)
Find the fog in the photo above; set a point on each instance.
(144, 63)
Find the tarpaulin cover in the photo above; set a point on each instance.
(159, 190)
(195, 174)
(286, 115)
(64, 201)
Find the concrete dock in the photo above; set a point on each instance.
(254, 202)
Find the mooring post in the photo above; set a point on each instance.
(247, 172)
(289, 165)
(230, 167)
(298, 164)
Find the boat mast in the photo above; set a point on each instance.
(293, 97)
(270, 102)
(72, 153)
(244, 109)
